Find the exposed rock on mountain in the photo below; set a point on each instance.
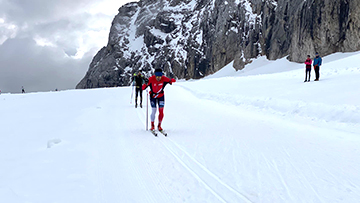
(195, 38)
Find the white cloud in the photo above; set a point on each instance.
(75, 30)
(43, 42)
(7, 30)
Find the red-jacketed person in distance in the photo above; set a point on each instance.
(157, 84)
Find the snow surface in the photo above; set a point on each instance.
(256, 135)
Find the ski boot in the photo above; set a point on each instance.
(160, 128)
(152, 126)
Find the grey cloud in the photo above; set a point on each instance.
(35, 11)
(66, 29)
(60, 22)
(66, 24)
(23, 63)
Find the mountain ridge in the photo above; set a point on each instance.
(194, 38)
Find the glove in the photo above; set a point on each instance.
(172, 80)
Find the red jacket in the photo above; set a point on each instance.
(157, 87)
(308, 63)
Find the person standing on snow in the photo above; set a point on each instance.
(138, 80)
(308, 68)
(22, 89)
(317, 64)
(157, 84)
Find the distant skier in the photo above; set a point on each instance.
(307, 68)
(138, 81)
(317, 64)
(22, 89)
(157, 84)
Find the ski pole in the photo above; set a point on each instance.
(132, 92)
(147, 107)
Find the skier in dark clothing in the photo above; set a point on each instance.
(308, 68)
(22, 90)
(157, 84)
(317, 64)
(138, 81)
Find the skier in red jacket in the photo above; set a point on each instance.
(157, 84)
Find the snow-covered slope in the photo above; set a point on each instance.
(259, 135)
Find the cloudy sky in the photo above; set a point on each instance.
(49, 44)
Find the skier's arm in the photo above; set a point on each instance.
(172, 80)
(145, 80)
(145, 85)
(168, 80)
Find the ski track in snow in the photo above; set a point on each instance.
(273, 166)
(205, 175)
(222, 191)
(306, 180)
(111, 162)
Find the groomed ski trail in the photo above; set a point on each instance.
(222, 191)
(202, 162)
(301, 158)
(215, 185)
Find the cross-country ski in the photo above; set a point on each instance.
(163, 132)
(153, 132)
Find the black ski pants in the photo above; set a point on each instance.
(138, 91)
(307, 72)
(317, 72)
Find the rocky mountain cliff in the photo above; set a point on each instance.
(195, 38)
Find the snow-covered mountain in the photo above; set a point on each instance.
(195, 38)
(256, 135)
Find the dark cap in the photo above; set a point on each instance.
(158, 72)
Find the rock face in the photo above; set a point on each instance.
(195, 38)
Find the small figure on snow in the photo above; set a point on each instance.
(308, 62)
(157, 84)
(22, 89)
(138, 81)
(317, 64)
